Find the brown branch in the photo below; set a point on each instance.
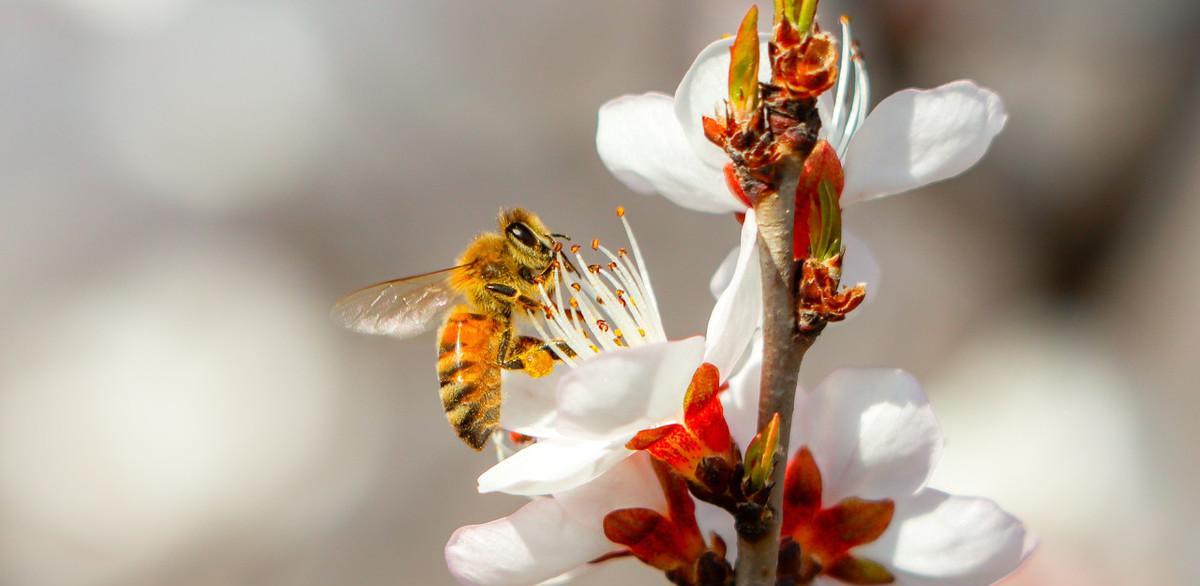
(784, 347)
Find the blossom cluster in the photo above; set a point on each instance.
(642, 445)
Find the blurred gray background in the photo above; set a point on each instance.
(187, 185)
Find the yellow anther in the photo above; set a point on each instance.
(620, 211)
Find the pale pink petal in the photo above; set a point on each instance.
(871, 431)
(616, 394)
(528, 404)
(535, 543)
(941, 540)
(738, 312)
(552, 465)
(640, 141)
(703, 92)
(917, 137)
(724, 273)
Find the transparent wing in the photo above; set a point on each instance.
(401, 308)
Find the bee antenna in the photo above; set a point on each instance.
(563, 236)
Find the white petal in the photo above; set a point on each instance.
(704, 90)
(916, 137)
(740, 400)
(825, 112)
(528, 404)
(738, 311)
(640, 141)
(871, 431)
(535, 543)
(941, 540)
(860, 266)
(552, 535)
(631, 483)
(724, 274)
(552, 465)
(620, 392)
(713, 519)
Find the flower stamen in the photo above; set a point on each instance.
(850, 107)
(835, 125)
(601, 308)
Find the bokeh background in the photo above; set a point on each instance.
(187, 185)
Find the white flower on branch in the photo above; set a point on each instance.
(656, 144)
(863, 445)
(625, 375)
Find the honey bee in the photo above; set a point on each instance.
(499, 272)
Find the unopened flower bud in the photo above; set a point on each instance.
(760, 459)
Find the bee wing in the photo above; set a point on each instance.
(401, 308)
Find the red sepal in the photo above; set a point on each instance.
(670, 542)
(848, 524)
(735, 186)
(703, 434)
(801, 490)
(716, 131)
(853, 570)
(702, 410)
(673, 445)
(828, 534)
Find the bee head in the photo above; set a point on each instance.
(527, 237)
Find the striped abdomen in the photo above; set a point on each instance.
(469, 373)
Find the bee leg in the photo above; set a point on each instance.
(529, 354)
(510, 295)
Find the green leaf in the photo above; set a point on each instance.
(743, 66)
(803, 18)
(830, 241)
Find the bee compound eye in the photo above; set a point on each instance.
(522, 234)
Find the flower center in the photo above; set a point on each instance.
(600, 307)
